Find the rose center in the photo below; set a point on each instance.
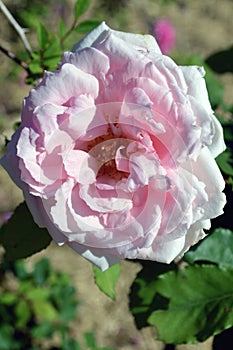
(104, 148)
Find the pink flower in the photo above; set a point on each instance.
(165, 34)
(115, 152)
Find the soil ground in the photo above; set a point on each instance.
(203, 27)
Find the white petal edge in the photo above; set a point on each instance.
(139, 41)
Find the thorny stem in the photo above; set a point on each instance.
(15, 59)
(21, 31)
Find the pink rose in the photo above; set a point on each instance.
(115, 152)
(165, 34)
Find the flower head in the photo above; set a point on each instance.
(165, 34)
(115, 152)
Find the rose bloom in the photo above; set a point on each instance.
(115, 152)
(165, 34)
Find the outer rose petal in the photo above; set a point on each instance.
(140, 42)
(102, 258)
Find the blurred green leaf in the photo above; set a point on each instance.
(200, 303)
(216, 248)
(8, 298)
(90, 340)
(43, 330)
(41, 271)
(225, 162)
(106, 280)
(21, 237)
(87, 26)
(42, 37)
(44, 310)
(70, 344)
(62, 28)
(23, 313)
(81, 7)
(7, 341)
(230, 181)
(215, 88)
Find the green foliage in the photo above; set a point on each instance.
(90, 342)
(200, 303)
(21, 237)
(218, 248)
(196, 302)
(143, 298)
(225, 162)
(35, 305)
(222, 61)
(81, 7)
(106, 280)
(42, 36)
(87, 26)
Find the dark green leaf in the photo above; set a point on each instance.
(7, 341)
(81, 7)
(143, 295)
(43, 330)
(42, 36)
(221, 62)
(21, 237)
(216, 248)
(106, 280)
(215, 88)
(90, 340)
(41, 271)
(70, 344)
(225, 162)
(200, 303)
(87, 26)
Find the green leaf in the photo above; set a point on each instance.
(41, 271)
(225, 162)
(106, 280)
(200, 304)
(143, 298)
(62, 28)
(44, 310)
(222, 61)
(70, 344)
(216, 248)
(7, 338)
(215, 88)
(87, 26)
(42, 37)
(8, 298)
(81, 7)
(21, 237)
(35, 67)
(23, 313)
(43, 330)
(90, 340)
